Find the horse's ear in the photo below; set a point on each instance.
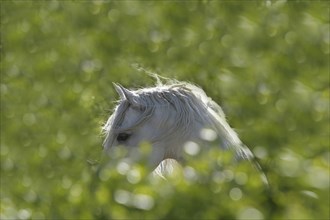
(125, 94)
(122, 92)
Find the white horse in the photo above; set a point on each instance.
(167, 116)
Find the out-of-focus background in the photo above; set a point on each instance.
(265, 62)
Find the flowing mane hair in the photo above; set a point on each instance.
(184, 106)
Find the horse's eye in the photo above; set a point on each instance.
(123, 137)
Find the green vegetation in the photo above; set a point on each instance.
(265, 62)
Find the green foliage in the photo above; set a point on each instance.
(265, 62)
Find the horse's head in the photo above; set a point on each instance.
(151, 115)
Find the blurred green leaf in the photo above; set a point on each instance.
(265, 62)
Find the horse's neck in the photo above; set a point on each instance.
(175, 146)
(173, 150)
